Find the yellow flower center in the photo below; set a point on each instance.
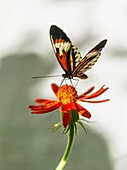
(67, 94)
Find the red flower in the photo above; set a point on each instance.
(67, 99)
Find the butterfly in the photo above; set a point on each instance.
(69, 56)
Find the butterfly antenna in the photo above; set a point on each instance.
(46, 76)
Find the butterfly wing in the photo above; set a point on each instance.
(89, 60)
(67, 54)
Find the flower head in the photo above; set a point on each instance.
(67, 100)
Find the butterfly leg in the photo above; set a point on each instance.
(77, 80)
(62, 81)
(71, 82)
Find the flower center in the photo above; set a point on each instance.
(67, 94)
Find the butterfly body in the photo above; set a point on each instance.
(69, 56)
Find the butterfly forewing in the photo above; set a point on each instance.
(67, 54)
(89, 60)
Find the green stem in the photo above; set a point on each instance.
(71, 135)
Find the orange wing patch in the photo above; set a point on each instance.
(62, 58)
(61, 49)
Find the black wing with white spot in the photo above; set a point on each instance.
(67, 54)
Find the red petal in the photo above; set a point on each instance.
(82, 111)
(54, 88)
(68, 107)
(66, 119)
(96, 94)
(46, 108)
(80, 97)
(97, 101)
(43, 101)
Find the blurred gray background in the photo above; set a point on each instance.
(26, 142)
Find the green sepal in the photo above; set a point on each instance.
(74, 116)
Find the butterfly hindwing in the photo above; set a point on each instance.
(89, 60)
(67, 54)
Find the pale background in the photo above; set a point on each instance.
(25, 51)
